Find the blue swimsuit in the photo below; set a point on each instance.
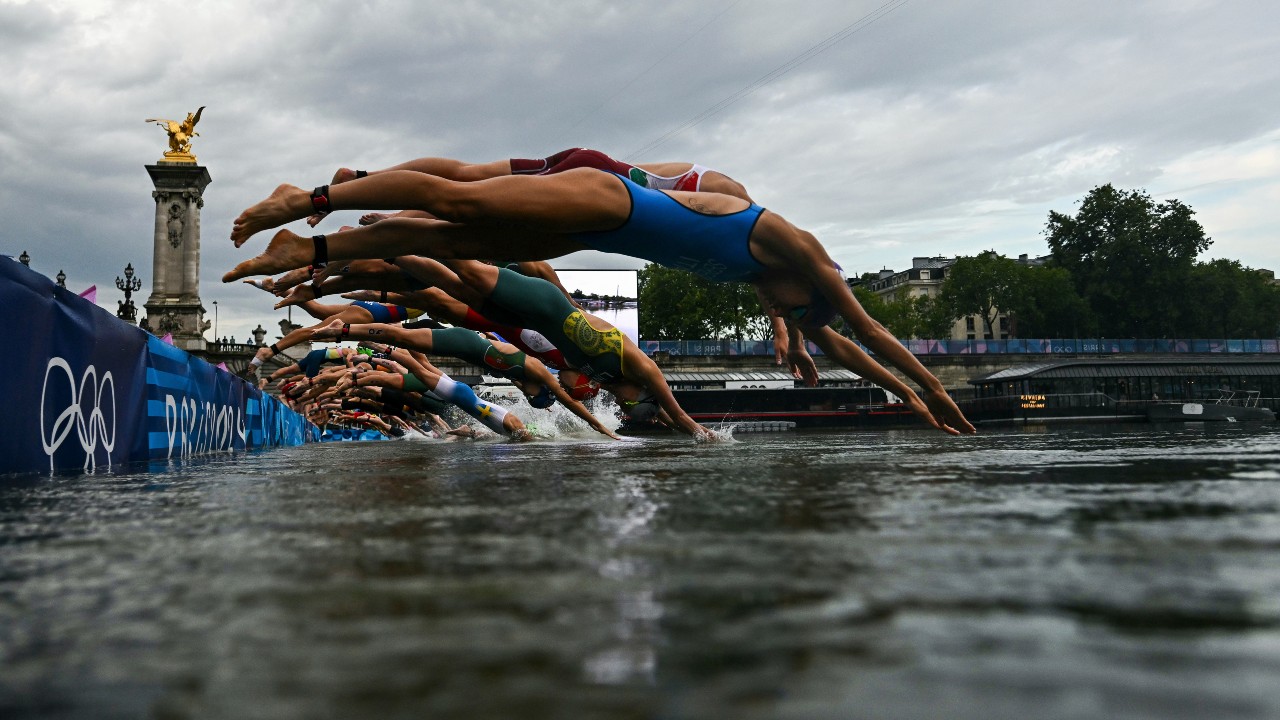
(664, 231)
(385, 312)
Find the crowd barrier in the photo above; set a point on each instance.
(86, 390)
(1073, 346)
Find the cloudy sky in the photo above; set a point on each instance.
(890, 129)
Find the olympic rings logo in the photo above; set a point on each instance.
(91, 426)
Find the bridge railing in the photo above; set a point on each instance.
(1016, 346)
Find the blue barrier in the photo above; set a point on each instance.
(1012, 346)
(345, 434)
(85, 389)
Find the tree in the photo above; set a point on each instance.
(678, 305)
(1232, 301)
(669, 305)
(982, 285)
(1050, 307)
(1130, 259)
(902, 314)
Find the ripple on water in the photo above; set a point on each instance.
(1050, 572)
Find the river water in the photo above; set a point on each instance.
(1064, 572)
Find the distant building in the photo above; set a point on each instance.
(925, 279)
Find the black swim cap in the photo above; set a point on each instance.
(644, 409)
(819, 311)
(544, 398)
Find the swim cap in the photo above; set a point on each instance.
(544, 398)
(819, 311)
(644, 409)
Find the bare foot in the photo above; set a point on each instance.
(332, 331)
(371, 218)
(286, 204)
(264, 284)
(286, 251)
(290, 280)
(297, 296)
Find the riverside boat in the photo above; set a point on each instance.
(1229, 407)
(771, 400)
(1123, 389)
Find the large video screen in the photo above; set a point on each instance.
(608, 294)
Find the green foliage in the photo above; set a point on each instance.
(1123, 266)
(983, 285)
(678, 305)
(1132, 260)
(1049, 306)
(902, 315)
(1040, 302)
(1232, 301)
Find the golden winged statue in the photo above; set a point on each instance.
(180, 134)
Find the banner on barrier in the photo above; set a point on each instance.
(86, 390)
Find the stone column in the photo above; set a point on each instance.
(174, 306)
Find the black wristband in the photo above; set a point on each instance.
(321, 244)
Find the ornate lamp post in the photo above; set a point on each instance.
(25, 259)
(215, 321)
(129, 284)
(61, 279)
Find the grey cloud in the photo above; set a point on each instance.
(941, 128)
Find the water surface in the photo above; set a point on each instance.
(1064, 572)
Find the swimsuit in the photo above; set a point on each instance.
(542, 307)
(660, 229)
(431, 402)
(465, 345)
(465, 398)
(568, 160)
(314, 359)
(387, 313)
(530, 341)
(690, 180)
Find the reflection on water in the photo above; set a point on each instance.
(1066, 572)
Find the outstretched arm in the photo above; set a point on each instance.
(534, 367)
(805, 253)
(643, 371)
(938, 409)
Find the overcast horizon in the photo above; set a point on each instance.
(890, 129)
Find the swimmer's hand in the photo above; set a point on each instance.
(802, 365)
(606, 431)
(947, 415)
